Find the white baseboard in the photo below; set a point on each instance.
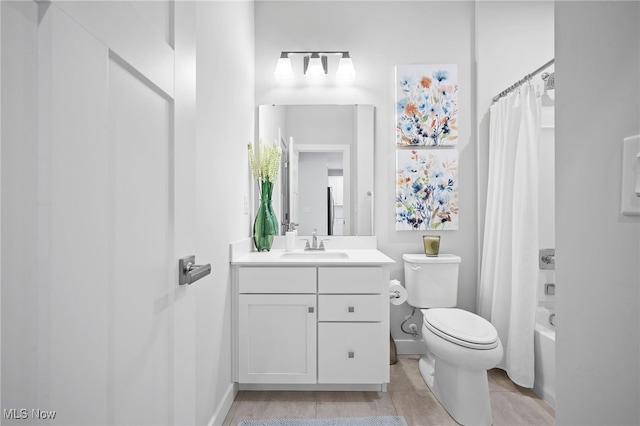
(409, 347)
(224, 406)
(382, 387)
(545, 396)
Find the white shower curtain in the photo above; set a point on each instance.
(509, 270)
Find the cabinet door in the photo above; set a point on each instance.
(352, 353)
(277, 338)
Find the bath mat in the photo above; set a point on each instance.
(340, 421)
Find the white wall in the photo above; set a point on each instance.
(598, 249)
(0, 202)
(19, 212)
(225, 124)
(379, 36)
(512, 39)
(546, 208)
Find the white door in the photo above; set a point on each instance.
(114, 338)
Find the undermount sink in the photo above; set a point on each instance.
(310, 255)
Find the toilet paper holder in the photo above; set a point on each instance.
(397, 293)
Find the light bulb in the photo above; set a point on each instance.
(284, 71)
(345, 72)
(315, 70)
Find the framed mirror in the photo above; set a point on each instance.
(326, 177)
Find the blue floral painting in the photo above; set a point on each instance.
(426, 105)
(427, 190)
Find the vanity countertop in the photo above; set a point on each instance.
(340, 257)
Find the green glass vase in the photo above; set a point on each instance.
(266, 225)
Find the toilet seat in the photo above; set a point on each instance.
(461, 327)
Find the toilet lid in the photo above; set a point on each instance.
(461, 327)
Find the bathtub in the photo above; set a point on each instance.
(545, 354)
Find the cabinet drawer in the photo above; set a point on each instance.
(351, 280)
(350, 307)
(277, 280)
(352, 353)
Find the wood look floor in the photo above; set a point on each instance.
(407, 395)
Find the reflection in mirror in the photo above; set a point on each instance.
(326, 177)
(324, 199)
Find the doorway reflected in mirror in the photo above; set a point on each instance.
(324, 146)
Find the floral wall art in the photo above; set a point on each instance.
(426, 105)
(426, 189)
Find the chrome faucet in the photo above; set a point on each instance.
(314, 242)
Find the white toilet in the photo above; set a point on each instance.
(460, 346)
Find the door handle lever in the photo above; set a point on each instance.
(190, 272)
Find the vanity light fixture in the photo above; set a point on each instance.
(315, 65)
(284, 70)
(345, 72)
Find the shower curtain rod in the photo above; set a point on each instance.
(526, 78)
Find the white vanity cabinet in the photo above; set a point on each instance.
(326, 327)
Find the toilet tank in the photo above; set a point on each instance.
(431, 281)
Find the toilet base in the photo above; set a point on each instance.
(463, 393)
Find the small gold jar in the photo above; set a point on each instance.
(431, 244)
